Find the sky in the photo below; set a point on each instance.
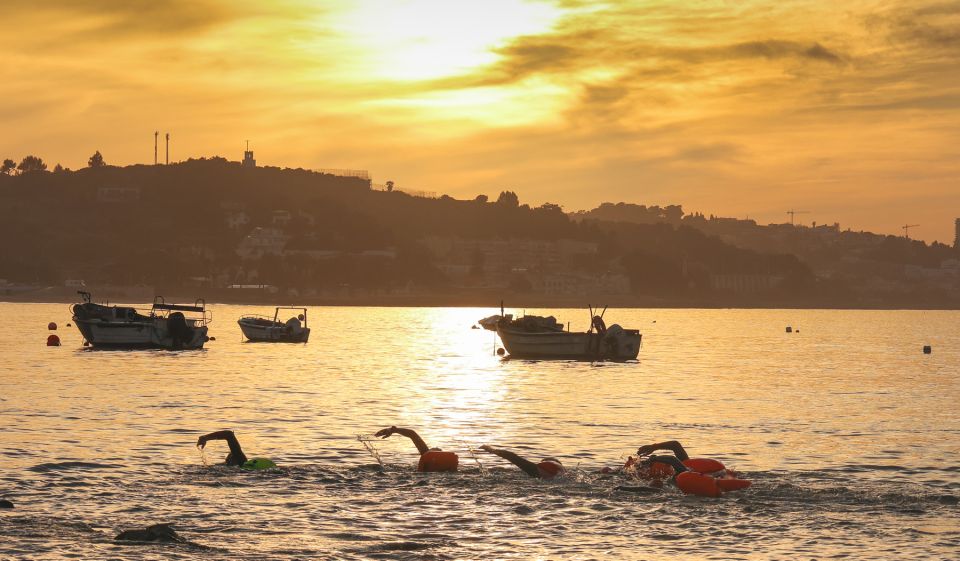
(747, 108)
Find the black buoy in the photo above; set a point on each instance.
(927, 349)
(500, 351)
(53, 341)
(212, 338)
(789, 329)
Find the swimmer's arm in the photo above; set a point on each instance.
(671, 445)
(526, 465)
(671, 461)
(409, 433)
(237, 456)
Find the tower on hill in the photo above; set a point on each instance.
(248, 161)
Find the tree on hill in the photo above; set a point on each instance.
(509, 199)
(31, 163)
(8, 166)
(58, 168)
(481, 199)
(96, 161)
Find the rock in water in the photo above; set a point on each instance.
(157, 533)
(4, 503)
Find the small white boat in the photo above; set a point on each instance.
(271, 330)
(535, 337)
(163, 326)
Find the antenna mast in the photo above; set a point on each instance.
(156, 138)
(168, 149)
(794, 212)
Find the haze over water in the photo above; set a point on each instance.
(849, 432)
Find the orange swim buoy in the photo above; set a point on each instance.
(703, 465)
(53, 341)
(709, 478)
(436, 460)
(52, 326)
(693, 483)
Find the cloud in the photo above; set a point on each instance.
(716, 151)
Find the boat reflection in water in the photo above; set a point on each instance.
(163, 326)
(271, 330)
(536, 337)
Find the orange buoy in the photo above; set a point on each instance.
(435, 460)
(53, 341)
(733, 484)
(52, 326)
(692, 483)
(703, 465)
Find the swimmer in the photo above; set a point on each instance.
(236, 457)
(697, 476)
(676, 461)
(431, 459)
(548, 468)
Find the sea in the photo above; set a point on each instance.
(848, 430)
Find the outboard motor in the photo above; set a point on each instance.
(180, 332)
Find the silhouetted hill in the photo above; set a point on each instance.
(202, 226)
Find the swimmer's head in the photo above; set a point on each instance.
(550, 468)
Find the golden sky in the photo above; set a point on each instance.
(738, 108)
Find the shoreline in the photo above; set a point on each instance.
(58, 295)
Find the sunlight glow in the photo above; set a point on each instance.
(427, 39)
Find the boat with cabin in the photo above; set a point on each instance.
(163, 326)
(259, 328)
(537, 337)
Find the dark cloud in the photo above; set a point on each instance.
(725, 151)
(129, 17)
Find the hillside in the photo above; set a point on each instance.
(213, 227)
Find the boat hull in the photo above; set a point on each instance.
(565, 345)
(137, 335)
(273, 333)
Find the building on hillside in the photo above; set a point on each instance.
(744, 284)
(500, 257)
(280, 217)
(262, 241)
(248, 161)
(118, 194)
(580, 283)
(237, 219)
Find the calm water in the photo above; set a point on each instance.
(850, 433)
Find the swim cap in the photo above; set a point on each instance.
(257, 464)
(550, 468)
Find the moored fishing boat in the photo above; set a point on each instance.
(271, 330)
(536, 337)
(163, 326)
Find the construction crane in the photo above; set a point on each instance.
(794, 212)
(906, 229)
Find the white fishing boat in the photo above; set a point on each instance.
(271, 330)
(163, 326)
(536, 337)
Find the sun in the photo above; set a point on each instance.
(410, 40)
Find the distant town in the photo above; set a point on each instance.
(231, 231)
